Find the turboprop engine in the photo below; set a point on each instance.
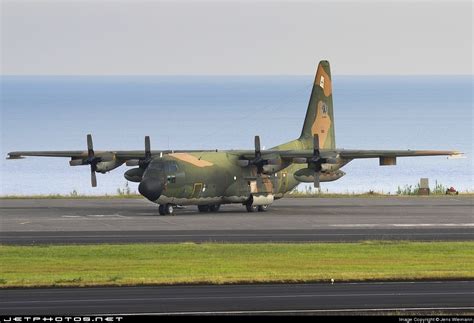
(306, 175)
(134, 175)
(103, 163)
(272, 165)
(106, 166)
(269, 164)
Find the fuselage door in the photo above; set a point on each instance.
(196, 191)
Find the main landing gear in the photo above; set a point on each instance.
(209, 208)
(166, 209)
(255, 208)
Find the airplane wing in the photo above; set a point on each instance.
(349, 153)
(65, 153)
(122, 155)
(271, 161)
(356, 154)
(99, 161)
(387, 157)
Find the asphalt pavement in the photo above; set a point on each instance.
(36, 221)
(241, 299)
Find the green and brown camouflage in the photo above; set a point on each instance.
(255, 178)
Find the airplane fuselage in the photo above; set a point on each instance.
(208, 178)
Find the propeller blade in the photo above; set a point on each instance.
(316, 145)
(93, 178)
(317, 160)
(147, 147)
(143, 162)
(316, 179)
(90, 146)
(257, 146)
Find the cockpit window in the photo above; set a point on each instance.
(158, 165)
(171, 167)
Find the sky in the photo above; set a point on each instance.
(45, 37)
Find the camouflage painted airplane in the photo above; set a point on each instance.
(254, 178)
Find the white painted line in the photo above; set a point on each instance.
(105, 215)
(410, 282)
(437, 225)
(373, 225)
(216, 236)
(102, 300)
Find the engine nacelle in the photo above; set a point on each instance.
(271, 164)
(106, 166)
(329, 168)
(306, 175)
(329, 177)
(273, 168)
(134, 175)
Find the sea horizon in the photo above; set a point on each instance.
(226, 112)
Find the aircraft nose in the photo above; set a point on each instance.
(150, 188)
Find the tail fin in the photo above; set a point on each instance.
(319, 116)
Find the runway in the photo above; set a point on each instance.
(296, 220)
(235, 299)
(30, 221)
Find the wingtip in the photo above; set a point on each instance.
(457, 155)
(14, 156)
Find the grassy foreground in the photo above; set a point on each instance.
(188, 263)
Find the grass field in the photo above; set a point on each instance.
(188, 263)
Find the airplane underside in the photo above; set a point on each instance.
(212, 204)
(257, 200)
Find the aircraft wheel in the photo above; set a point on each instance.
(161, 209)
(214, 207)
(203, 208)
(169, 209)
(251, 208)
(262, 208)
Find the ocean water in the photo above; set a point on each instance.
(208, 112)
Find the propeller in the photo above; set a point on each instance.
(142, 162)
(268, 164)
(92, 160)
(258, 161)
(315, 162)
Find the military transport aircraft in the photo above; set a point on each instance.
(254, 178)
